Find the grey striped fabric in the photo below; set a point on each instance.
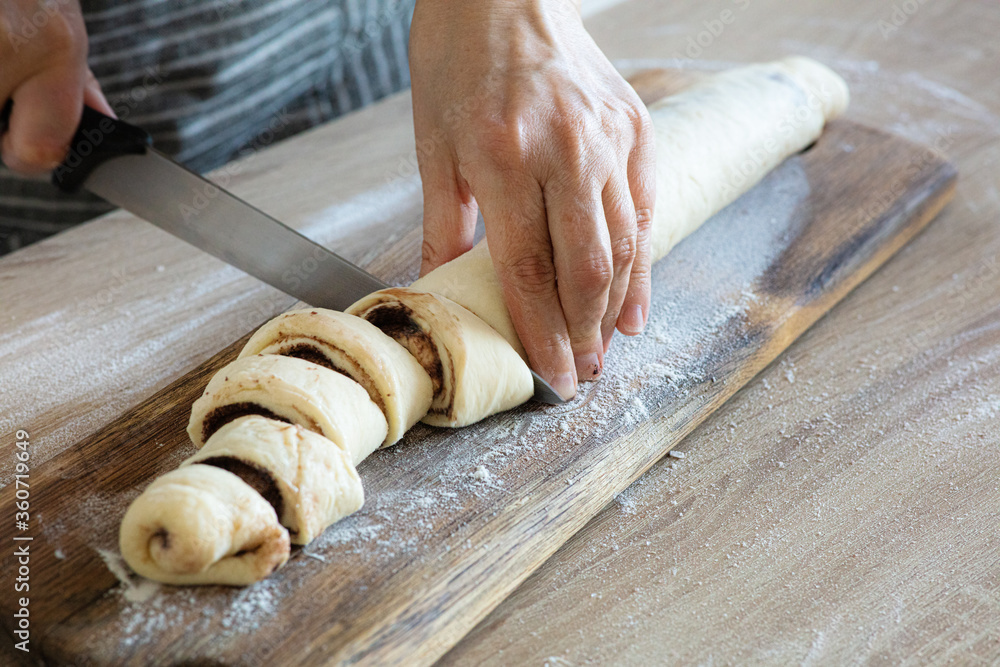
(211, 79)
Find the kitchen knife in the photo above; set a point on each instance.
(117, 162)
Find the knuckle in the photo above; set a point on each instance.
(592, 273)
(530, 274)
(644, 222)
(568, 116)
(618, 120)
(64, 37)
(639, 278)
(429, 253)
(502, 139)
(635, 111)
(641, 120)
(570, 132)
(574, 139)
(547, 346)
(624, 250)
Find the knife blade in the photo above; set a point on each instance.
(116, 161)
(131, 174)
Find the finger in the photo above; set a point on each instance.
(620, 215)
(449, 212)
(46, 112)
(581, 249)
(642, 185)
(94, 98)
(517, 231)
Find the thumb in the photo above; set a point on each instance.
(46, 112)
(449, 213)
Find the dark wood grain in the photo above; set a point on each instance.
(434, 550)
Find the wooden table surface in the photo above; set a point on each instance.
(844, 506)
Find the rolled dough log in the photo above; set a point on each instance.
(474, 371)
(348, 344)
(295, 391)
(714, 141)
(310, 482)
(202, 525)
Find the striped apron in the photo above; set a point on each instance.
(211, 79)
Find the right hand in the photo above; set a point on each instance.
(43, 51)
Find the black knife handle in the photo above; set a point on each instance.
(5, 115)
(98, 138)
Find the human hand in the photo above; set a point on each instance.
(43, 51)
(517, 112)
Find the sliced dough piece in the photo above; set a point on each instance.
(310, 482)
(348, 344)
(202, 525)
(474, 371)
(295, 391)
(714, 141)
(470, 281)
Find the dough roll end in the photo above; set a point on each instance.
(202, 525)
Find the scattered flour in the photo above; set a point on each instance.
(252, 607)
(699, 311)
(134, 588)
(699, 318)
(154, 344)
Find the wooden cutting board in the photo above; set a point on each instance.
(454, 520)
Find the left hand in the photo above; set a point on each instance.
(517, 111)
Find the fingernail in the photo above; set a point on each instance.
(588, 367)
(16, 164)
(632, 320)
(565, 385)
(42, 158)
